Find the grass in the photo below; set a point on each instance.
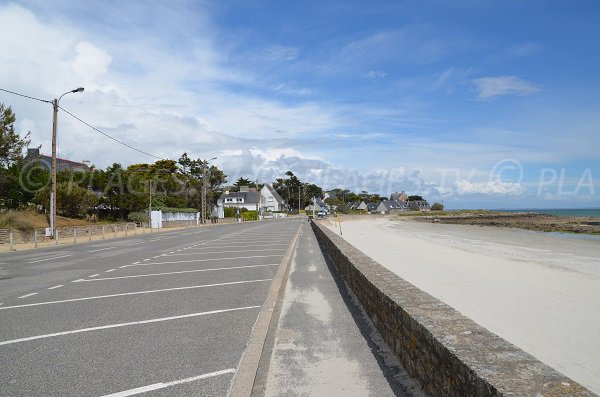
(15, 220)
(30, 220)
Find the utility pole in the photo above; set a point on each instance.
(55, 106)
(150, 202)
(257, 200)
(299, 195)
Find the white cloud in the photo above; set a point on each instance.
(90, 61)
(376, 74)
(492, 87)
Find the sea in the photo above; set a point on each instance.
(580, 212)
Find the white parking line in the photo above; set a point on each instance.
(49, 259)
(157, 386)
(230, 245)
(102, 249)
(134, 293)
(110, 270)
(229, 252)
(94, 275)
(180, 272)
(119, 325)
(202, 260)
(57, 286)
(27, 296)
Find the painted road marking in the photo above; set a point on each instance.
(157, 386)
(57, 286)
(110, 270)
(135, 293)
(94, 275)
(180, 272)
(27, 296)
(49, 259)
(202, 260)
(119, 325)
(230, 252)
(102, 249)
(229, 245)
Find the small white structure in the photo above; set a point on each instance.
(156, 219)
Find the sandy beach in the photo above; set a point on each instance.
(540, 292)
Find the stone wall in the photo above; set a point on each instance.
(447, 353)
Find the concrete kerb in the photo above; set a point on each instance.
(243, 382)
(447, 353)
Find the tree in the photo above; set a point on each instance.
(242, 182)
(437, 207)
(71, 199)
(415, 198)
(11, 144)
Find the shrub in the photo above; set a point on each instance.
(249, 215)
(138, 217)
(437, 207)
(11, 220)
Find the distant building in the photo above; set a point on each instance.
(390, 206)
(362, 206)
(399, 196)
(372, 207)
(245, 198)
(317, 205)
(271, 200)
(419, 205)
(35, 157)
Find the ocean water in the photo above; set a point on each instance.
(562, 212)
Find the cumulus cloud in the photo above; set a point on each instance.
(90, 61)
(376, 74)
(491, 87)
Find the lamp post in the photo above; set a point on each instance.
(205, 189)
(55, 105)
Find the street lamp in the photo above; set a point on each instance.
(205, 189)
(55, 105)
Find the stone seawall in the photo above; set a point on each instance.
(447, 353)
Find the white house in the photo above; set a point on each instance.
(270, 200)
(245, 198)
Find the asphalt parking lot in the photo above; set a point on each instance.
(162, 314)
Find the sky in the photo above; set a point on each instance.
(473, 103)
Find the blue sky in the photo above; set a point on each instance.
(486, 104)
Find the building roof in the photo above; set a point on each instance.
(372, 206)
(274, 193)
(249, 197)
(392, 204)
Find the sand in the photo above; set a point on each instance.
(540, 292)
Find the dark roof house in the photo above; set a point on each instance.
(35, 157)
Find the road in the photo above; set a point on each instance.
(162, 314)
